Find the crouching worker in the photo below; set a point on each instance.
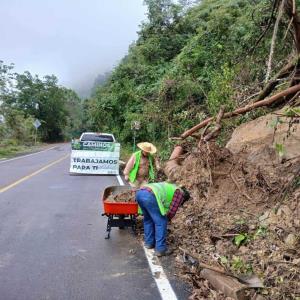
(159, 203)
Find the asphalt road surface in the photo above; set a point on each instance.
(52, 242)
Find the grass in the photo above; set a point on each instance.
(126, 151)
(11, 148)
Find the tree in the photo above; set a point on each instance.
(99, 81)
(5, 78)
(28, 97)
(189, 59)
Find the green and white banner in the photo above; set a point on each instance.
(95, 158)
(94, 146)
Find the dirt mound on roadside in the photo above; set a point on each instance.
(226, 222)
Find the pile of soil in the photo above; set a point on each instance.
(127, 196)
(243, 217)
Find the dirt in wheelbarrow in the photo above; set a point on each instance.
(127, 196)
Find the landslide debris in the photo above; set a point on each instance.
(127, 196)
(244, 217)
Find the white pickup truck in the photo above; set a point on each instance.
(95, 153)
(97, 137)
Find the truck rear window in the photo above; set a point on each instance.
(97, 138)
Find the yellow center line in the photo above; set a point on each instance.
(4, 189)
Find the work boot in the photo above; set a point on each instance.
(149, 246)
(163, 253)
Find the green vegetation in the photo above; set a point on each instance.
(24, 98)
(11, 147)
(185, 64)
(239, 266)
(188, 60)
(236, 264)
(242, 238)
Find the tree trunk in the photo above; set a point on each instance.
(290, 91)
(283, 73)
(291, 11)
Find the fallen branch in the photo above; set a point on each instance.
(175, 138)
(217, 127)
(293, 98)
(204, 131)
(178, 150)
(238, 187)
(246, 100)
(245, 109)
(173, 163)
(203, 265)
(250, 281)
(283, 73)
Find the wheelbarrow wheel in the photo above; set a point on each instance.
(121, 227)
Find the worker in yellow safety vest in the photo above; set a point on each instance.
(159, 203)
(141, 167)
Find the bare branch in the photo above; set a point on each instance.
(266, 102)
(276, 26)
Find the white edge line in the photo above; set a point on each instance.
(19, 157)
(164, 287)
(121, 182)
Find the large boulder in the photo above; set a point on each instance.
(257, 139)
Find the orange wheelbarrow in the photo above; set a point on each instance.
(119, 214)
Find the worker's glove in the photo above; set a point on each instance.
(186, 195)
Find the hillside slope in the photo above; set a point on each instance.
(186, 63)
(244, 214)
(220, 64)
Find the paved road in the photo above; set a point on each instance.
(51, 236)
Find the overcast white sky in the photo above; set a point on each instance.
(72, 39)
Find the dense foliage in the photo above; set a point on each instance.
(186, 62)
(24, 98)
(190, 58)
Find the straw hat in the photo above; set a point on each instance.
(147, 147)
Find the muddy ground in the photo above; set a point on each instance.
(243, 217)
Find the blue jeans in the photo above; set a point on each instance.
(155, 224)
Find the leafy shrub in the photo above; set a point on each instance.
(221, 92)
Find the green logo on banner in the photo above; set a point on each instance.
(94, 146)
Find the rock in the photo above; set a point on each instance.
(255, 139)
(291, 240)
(227, 285)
